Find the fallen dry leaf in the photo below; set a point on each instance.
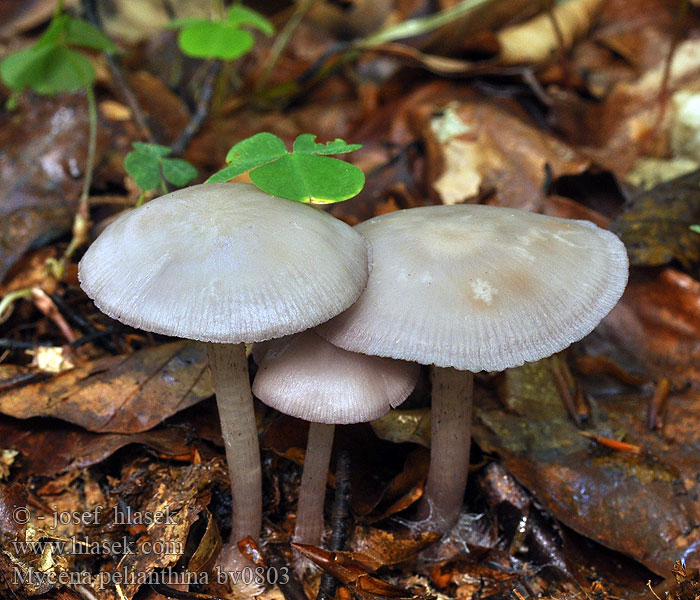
(123, 394)
(643, 505)
(42, 161)
(657, 321)
(655, 227)
(539, 40)
(487, 151)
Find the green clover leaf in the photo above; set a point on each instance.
(146, 161)
(307, 174)
(224, 40)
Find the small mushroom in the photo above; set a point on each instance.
(468, 288)
(306, 377)
(226, 264)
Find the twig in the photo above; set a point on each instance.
(339, 521)
(49, 309)
(84, 326)
(657, 405)
(201, 112)
(81, 222)
(93, 17)
(21, 345)
(23, 379)
(291, 589)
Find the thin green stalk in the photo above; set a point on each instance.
(9, 299)
(422, 25)
(81, 223)
(282, 40)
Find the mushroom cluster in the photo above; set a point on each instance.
(460, 288)
(227, 264)
(468, 288)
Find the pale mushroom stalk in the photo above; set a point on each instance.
(309, 527)
(229, 368)
(451, 417)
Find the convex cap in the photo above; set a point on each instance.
(306, 377)
(224, 263)
(480, 287)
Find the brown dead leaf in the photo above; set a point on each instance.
(350, 569)
(643, 505)
(537, 40)
(655, 227)
(179, 493)
(384, 548)
(42, 160)
(124, 394)
(658, 322)
(48, 447)
(475, 148)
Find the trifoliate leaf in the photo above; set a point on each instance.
(248, 154)
(47, 70)
(177, 171)
(210, 39)
(241, 15)
(156, 150)
(80, 33)
(309, 178)
(305, 175)
(306, 144)
(143, 168)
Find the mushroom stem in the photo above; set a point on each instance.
(229, 368)
(309, 527)
(449, 448)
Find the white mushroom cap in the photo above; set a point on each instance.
(306, 377)
(224, 263)
(480, 287)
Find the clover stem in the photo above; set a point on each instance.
(81, 222)
(229, 367)
(281, 42)
(449, 449)
(309, 527)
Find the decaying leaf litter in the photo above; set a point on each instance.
(584, 479)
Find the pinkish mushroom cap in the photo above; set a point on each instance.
(306, 377)
(480, 287)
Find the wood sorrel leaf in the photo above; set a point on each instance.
(304, 175)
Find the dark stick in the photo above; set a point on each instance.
(289, 586)
(20, 345)
(200, 113)
(340, 520)
(93, 17)
(91, 332)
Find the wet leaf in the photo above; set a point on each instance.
(656, 322)
(48, 447)
(400, 426)
(43, 150)
(124, 394)
(642, 505)
(655, 227)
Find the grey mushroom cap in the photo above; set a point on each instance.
(479, 287)
(306, 377)
(224, 263)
